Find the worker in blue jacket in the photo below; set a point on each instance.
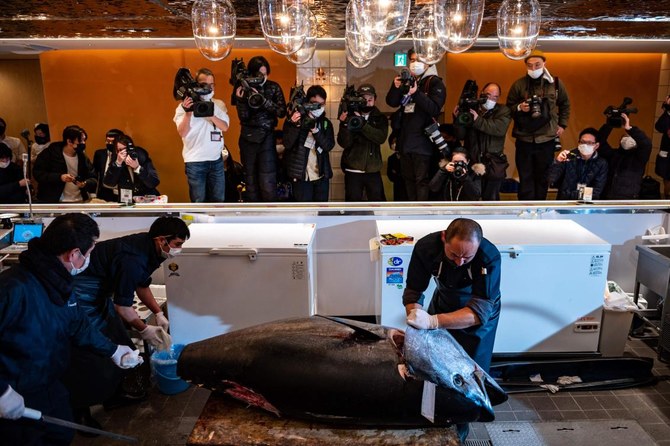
(39, 320)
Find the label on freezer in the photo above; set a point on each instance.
(298, 270)
(395, 261)
(395, 275)
(597, 265)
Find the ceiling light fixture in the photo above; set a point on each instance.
(458, 22)
(426, 43)
(285, 24)
(214, 27)
(518, 27)
(306, 51)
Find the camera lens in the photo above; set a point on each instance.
(256, 100)
(355, 123)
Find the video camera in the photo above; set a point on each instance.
(461, 169)
(407, 81)
(469, 101)
(614, 118)
(297, 102)
(351, 103)
(241, 77)
(186, 86)
(433, 132)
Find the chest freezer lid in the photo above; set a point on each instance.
(268, 237)
(532, 235)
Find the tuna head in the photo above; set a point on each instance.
(435, 356)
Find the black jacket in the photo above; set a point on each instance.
(296, 154)
(663, 126)
(10, 190)
(487, 133)
(592, 172)
(142, 183)
(266, 117)
(362, 148)
(50, 165)
(449, 188)
(428, 101)
(625, 168)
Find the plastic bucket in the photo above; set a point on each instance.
(164, 369)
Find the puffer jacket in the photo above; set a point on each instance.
(592, 172)
(296, 154)
(625, 167)
(362, 148)
(265, 117)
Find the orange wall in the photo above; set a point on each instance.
(593, 81)
(132, 90)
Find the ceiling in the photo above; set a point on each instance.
(32, 26)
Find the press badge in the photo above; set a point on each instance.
(126, 196)
(215, 135)
(409, 108)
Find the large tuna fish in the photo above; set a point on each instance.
(341, 371)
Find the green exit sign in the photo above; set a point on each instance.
(400, 59)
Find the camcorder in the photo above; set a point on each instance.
(186, 86)
(613, 114)
(241, 77)
(469, 100)
(298, 103)
(433, 132)
(351, 103)
(535, 104)
(461, 169)
(407, 81)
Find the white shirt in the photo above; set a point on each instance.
(71, 192)
(198, 144)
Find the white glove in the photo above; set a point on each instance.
(162, 321)
(418, 318)
(11, 404)
(153, 334)
(126, 358)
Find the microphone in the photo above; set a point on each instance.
(25, 133)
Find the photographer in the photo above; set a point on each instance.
(574, 170)
(662, 167)
(63, 171)
(362, 156)
(259, 108)
(484, 137)
(420, 96)
(625, 165)
(455, 181)
(12, 183)
(203, 142)
(132, 173)
(541, 109)
(308, 140)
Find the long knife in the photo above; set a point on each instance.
(37, 415)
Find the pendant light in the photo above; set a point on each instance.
(382, 22)
(458, 22)
(518, 27)
(306, 51)
(426, 43)
(285, 24)
(360, 48)
(214, 26)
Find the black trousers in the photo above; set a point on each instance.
(415, 170)
(532, 162)
(491, 189)
(363, 187)
(260, 168)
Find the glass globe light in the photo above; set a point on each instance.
(356, 43)
(518, 27)
(382, 22)
(458, 22)
(214, 26)
(426, 44)
(285, 23)
(356, 61)
(306, 51)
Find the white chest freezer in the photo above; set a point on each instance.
(232, 276)
(553, 277)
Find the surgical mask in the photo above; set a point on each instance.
(535, 74)
(628, 143)
(172, 253)
(280, 148)
(4, 164)
(586, 149)
(318, 112)
(489, 104)
(74, 271)
(207, 97)
(41, 139)
(417, 68)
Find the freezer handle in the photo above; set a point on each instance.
(252, 253)
(512, 251)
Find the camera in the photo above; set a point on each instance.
(298, 103)
(461, 169)
(433, 132)
(130, 150)
(407, 81)
(186, 86)
(613, 114)
(571, 156)
(535, 103)
(351, 103)
(469, 101)
(79, 179)
(241, 77)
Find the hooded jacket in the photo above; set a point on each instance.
(625, 168)
(591, 172)
(296, 154)
(362, 148)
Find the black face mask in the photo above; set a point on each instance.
(2, 129)
(41, 139)
(110, 147)
(367, 108)
(81, 147)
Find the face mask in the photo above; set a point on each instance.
(280, 148)
(628, 143)
(318, 112)
(41, 139)
(80, 147)
(207, 97)
(489, 104)
(417, 68)
(586, 149)
(367, 108)
(110, 147)
(172, 253)
(2, 129)
(4, 164)
(536, 73)
(74, 271)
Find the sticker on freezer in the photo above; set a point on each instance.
(395, 261)
(298, 270)
(597, 266)
(394, 275)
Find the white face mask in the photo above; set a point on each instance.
(586, 149)
(318, 112)
(74, 271)
(490, 103)
(280, 148)
(417, 68)
(536, 73)
(628, 143)
(4, 164)
(207, 97)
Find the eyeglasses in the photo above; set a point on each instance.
(590, 143)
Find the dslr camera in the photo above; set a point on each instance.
(241, 77)
(613, 114)
(407, 81)
(298, 103)
(351, 103)
(461, 169)
(130, 150)
(535, 103)
(469, 100)
(186, 86)
(433, 132)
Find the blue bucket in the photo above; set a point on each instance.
(164, 368)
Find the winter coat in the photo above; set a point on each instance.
(625, 168)
(10, 190)
(264, 117)
(142, 183)
(449, 188)
(592, 173)
(296, 154)
(487, 133)
(50, 165)
(663, 126)
(362, 148)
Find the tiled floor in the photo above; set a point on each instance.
(168, 420)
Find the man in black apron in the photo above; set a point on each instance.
(466, 269)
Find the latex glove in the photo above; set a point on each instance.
(153, 334)
(11, 404)
(418, 318)
(126, 358)
(162, 321)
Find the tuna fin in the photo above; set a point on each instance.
(250, 397)
(360, 332)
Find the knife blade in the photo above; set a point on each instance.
(37, 415)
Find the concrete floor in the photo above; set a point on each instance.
(168, 420)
